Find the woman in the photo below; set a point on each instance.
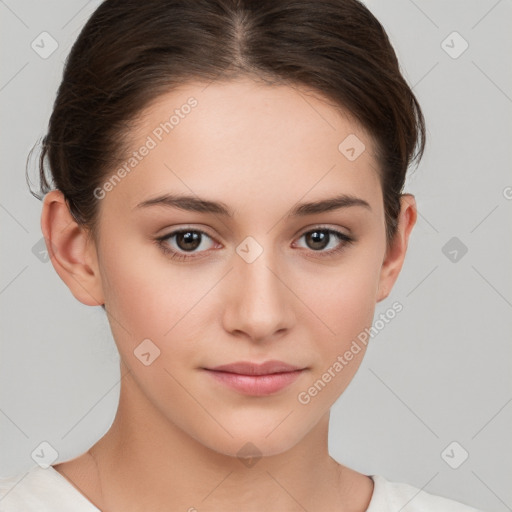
(274, 139)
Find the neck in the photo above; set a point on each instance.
(147, 462)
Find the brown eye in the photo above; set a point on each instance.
(320, 238)
(185, 241)
(188, 240)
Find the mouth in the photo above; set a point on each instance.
(256, 379)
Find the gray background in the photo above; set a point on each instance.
(439, 372)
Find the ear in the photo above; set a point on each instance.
(395, 254)
(71, 250)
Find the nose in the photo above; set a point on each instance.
(259, 303)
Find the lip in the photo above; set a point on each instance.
(256, 379)
(248, 368)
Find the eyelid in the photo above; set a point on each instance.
(171, 230)
(327, 227)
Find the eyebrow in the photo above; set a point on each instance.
(196, 204)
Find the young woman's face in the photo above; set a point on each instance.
(264, 283)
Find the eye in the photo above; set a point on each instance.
(186, 240)
(321, 237)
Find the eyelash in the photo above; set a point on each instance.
(161, 242)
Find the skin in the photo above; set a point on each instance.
(174, 442)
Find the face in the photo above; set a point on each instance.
(191, 288)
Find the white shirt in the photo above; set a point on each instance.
(46, 490)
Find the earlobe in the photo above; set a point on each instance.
(395, 255)
(71, 250)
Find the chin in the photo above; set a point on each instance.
(253, 441)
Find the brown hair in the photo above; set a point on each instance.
(129, 52)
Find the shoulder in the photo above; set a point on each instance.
(41, 490)
(392, 496)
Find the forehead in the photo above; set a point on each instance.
(249, 142)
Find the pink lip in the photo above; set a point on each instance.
(256, 379)
(248, 368)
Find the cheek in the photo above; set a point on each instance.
(146, 295)
(343, 298)
(344, 306)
